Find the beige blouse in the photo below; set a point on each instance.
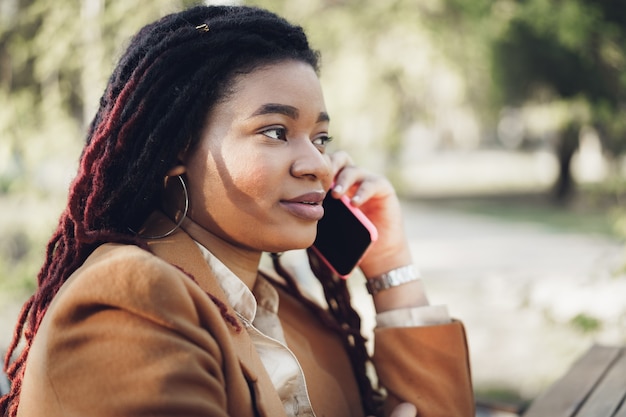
(258, 309)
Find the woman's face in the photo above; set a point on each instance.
(258, 176)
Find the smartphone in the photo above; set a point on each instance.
(343, 235)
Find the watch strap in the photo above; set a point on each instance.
(392, 279)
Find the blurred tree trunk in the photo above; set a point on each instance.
(567, 144)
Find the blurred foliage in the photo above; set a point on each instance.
(573, 50)
(55, 58)
(586, 323)
(390, 68)
(19, 262)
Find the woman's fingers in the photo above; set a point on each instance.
(339, 160)
(375, 196)
(359, 184)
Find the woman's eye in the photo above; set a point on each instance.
(322, 140)
(279, 133)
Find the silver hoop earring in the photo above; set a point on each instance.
(178, 223)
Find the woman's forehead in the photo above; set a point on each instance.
(290, 85)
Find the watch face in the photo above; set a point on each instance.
(377, 284)
(381, 284)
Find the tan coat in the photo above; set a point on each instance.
(130, 334)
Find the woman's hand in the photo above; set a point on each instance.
(376, 197)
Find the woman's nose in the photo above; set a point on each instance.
(309, 162)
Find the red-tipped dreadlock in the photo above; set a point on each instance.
(154, 107)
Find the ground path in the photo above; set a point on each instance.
(518, 286)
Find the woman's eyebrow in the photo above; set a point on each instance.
(289, 111)
(272, 108)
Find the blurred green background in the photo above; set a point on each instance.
(514, 110)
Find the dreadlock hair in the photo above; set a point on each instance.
(153, 108)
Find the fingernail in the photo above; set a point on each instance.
(338, 189)
(356, 199)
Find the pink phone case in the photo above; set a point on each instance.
(362, 218)
(367, 225)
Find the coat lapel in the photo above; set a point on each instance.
(180, 250)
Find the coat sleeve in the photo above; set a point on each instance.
(427, 366)
(123, 338)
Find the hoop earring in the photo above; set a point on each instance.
(179, 223)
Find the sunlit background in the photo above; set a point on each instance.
(501, 123)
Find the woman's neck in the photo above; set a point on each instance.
(242, 262)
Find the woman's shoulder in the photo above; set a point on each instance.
(129, 278)
(113, 265)
(116, 254)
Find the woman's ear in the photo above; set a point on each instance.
(178, 169)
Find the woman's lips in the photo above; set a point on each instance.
(307, 206)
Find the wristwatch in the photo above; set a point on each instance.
(391, 279)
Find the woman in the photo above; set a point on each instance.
(208, 149)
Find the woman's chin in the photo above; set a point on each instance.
(294, 244)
